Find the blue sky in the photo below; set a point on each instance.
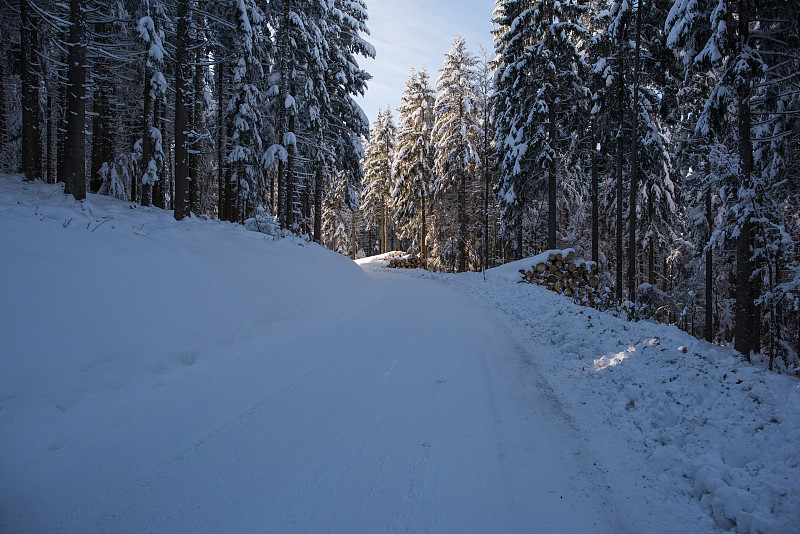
(411, 33)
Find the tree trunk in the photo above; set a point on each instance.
(76, 102)
(160, 186)
(620, 189)
(384, 225)
(196, 185)
(101, 121)
(744, 304)
(595, 202)
(487, 190)
(424, 236)
(353, 244)
(462, 223)
(305, 210)
(221, 141)
(147, 141)
(634, 185)
(29, 65)
(318, 192)
(4, 112)
(551, 179)
(709, 327)
(183, 84)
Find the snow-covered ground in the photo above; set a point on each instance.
(673, 421)
(162, 376)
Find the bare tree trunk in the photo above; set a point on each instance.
(76, 102)
(4, 111)
(221, 143)
(102, 145)
(195, 159)
(551, 180)
(744, 268)
(29, 64)
(353, 244)
(183, 83)
(160, 185)
(147, 141)
(709, 327)
(384, 226)
(290, 185)
(462, 223)
(620, 189)
(634, 186)
(424, 236)
(595, 203)
(318, 192)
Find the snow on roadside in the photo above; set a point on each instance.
(82, 344)
(700, 425)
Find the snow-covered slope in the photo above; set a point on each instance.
(106, 305)
(162, 376)
(671, 418)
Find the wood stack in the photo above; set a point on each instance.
(406, 263)
(561, 272)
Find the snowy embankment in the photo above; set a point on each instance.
(670, 416)
(110, 310)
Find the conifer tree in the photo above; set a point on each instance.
(414, 160)
(457, 133)
(155, 89)
(378, 173)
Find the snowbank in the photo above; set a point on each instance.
(677, 419)
(106, 304)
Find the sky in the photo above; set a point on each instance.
(411, 33)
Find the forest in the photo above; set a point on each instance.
(659, 139)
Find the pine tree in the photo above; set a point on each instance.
(155, 89)
(378, 174)
(183, 84)
(243, 110)
(511, 100)
(457, 133)
(29, 66)
(414, 160)
(76, 102)
(539, 98)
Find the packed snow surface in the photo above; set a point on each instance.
(193, 376)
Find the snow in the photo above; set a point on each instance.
(194, 376)
(690, 437)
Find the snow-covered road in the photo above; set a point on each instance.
(416, 412)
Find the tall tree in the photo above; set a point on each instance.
(378, 173)
(76, 102)
(457, 132)
(29, 67)
(512, 100)
(183, 85)
(243, 113)
(155, 88)
(414, 159)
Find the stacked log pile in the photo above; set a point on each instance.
(561, 272)
(407, 262)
